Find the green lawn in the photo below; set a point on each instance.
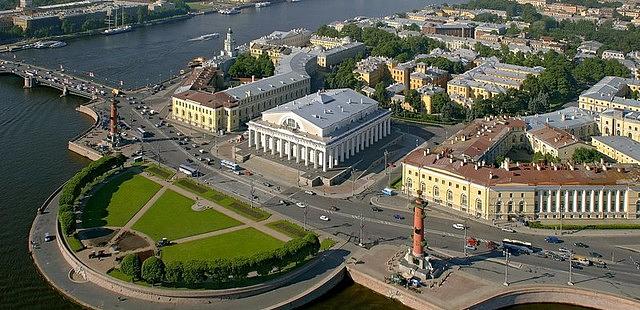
(159, 171)
(397, 184)
(223, 200)
(290, 229)
(116, 202)
(327, 244)
(244, 242)
(171, 217)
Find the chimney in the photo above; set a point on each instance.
(428, 151)
(604, 168)
(253, 78)
(483, 163)
(505, 163)
(538, 167)
(424, 153)
(490, 175)
(476, 166)
(451, 160)
(571, 167)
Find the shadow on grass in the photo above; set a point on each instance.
(95, 212)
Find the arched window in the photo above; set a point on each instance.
(521, 206)
(463, 200)
(478, 204)
(423, 188)
(409, 184)
(436, 192)
(291, 124)
(498, 206)
(449, 195)
(510, 206)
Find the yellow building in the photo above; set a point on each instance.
(371, 70)
(621, 149)
(328, 42)
(401, 73)
(554, 141)
(611, 93)
(620, 123)
(206, 111)
(488, 80)
(274, 52)
(425, 75)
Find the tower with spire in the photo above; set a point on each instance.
(230, 44)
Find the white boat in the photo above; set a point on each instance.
(48, 44)
(263, 4)
(231, 11)
(294, 0)
(205, 37)
(116, 29)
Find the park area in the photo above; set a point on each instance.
(172, 217)
(115, 203)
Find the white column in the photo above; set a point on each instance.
(306, 155)
(388, 126)
(323, 155)
(549, 201)
(281, 147)
(565, 205)
(289, 150)
(347, 145)
(626, 201)
(600, 207)
(336, 157)
(297, 150)
(341, 150)
(250, 138)
(315, 158)
(330, 151)
(265, 140)
(617, 208)
(272, 145)
(558, 201)
(540, 200)
(608, 201)
(583, 202)
(367, 138)
(257, 138)
(592, 200)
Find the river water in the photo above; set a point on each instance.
(36, 124)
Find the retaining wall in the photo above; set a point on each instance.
(314, 292)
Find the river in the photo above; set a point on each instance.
(36, 124)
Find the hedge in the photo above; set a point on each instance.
(194, 272)
(131, 266)
(153, 270)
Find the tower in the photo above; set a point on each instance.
(415, 262)
(113, 121)
(230, 44)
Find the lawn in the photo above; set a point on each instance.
(327, 244)
(171, 217)
(159, 171)
(244, 242)
(397, 184)
(290, 229)
(116, 202)
(223, 200)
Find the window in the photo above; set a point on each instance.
(463, 200)
(521, 206)
(478, 204)
(498, 206)
(510, 206)
(409, 183)
(449, 195)
(436, 191)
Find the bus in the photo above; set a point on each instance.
(517, 245)
(388, 191)
(143, 134)
(188, 170)
(229, 164)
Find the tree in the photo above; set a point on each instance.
(153, 270)
(67, 222)
(327, 31)
(248, 66)
(352, 31)
(194, 272)
(173, 272)
(539, 103)
(414, 99)
(586, 155)
(412, 27)
(343, 76)
(381, 94)
(131, 266)
(68, 26)
(438, 101)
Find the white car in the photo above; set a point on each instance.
(459, 226)
(509, 230)
(324, 218)
(309, 192)
(300, 205)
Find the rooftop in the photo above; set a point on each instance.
(211, 100)
(624, 145)
(566, 118)
(554, 137)
(611, 88)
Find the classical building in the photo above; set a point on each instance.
(455, 29)
(371, 70)
(426, 94)
(273, 51)
(621, 149)
(554, 141)
(230, 109)
(426, 74)
(611, 92)
(578, 122)
(620, 123)
(488, 80)
(336, 55)
(296, 37)
(322, 129)
(328, 42)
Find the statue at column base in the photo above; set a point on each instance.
(417, 265)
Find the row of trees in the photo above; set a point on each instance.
(453, 67)
(195, 272)
(72, 189)
(248, 66)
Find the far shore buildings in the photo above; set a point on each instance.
(322, 129)
(611, 92)
(488, 80)
(459, 175)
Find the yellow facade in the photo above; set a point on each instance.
(197, 115)
(614, 124)
(613, 153)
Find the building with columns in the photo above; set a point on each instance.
(322, 129)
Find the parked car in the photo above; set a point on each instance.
(565, 250)
(509, 230)
(48, 237)
(334, 208)
(581, 245)
(300, 205)
(267, 184)
(595, 254)
(552, 239)
(398, 217)
(324, 218)
(308, 192)
(470, 247)
(376, 209)
(459, 226)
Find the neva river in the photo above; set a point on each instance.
(36, 124)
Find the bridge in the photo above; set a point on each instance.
(68, 84)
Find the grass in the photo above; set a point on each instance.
(171, 217)
(74, 243)
(327, 244)
(290, 229)
(159, 171)
(397, 184)
(224, 200)
(117, 201)
(244, 242)
(585, 226)
(116, 273)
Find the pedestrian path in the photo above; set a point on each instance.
(138, 215)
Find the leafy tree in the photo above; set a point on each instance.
(592, 70)
(91, 24)
(539, 103)
(412, 27)
(488, 18)
(194, 272)
(444, 64)
(327, 31)
(586, 155)
(381, 94)
(352, 31)
(68, 26)
(67, 222)
(173, 272)
(547, 158)
(438, 101)
(414, 99)
(131, 266)
(153, 270)
(247, 66)
(343, 76)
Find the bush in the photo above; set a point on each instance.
(194, 272)
(153, 270)
(130, 266)
(65, 208)
(74, 186)
(67, 222)
(173, 272)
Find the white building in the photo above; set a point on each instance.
(322, 129)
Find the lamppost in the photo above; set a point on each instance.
(305, 217)
(386, 168)
(506, 267)
(252, 192)
(464, 242)
(570, 282)
(361, 230)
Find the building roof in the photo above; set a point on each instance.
(611, 88)
(622, 144)
(554, 137)
(211, 100)
(325, 109)
(567, 118)
(526, 174)
(493, 75)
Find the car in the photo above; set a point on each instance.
(398, 216)
(565, 250)
(581, 245)
(576, 266)
(334, 208)
(48, 237)
(300, 205)
(552, 239)
(308, 192)
(324, 218)
(189, 160)
(509, 230)
(470, 247)
(459, 226)
(267, 184)
(376, 209)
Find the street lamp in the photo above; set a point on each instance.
(305, 217)
(386, 168)
(361, 229)
(570, 282)
(464, 242)
(506, 267)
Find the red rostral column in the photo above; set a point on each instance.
(114, 119)
(418, 229)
